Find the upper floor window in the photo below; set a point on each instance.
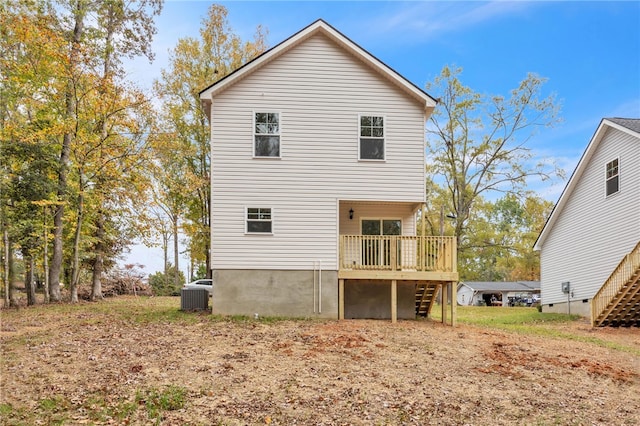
(259, 220)
(371, 137)
(612, 177)
(266, 131)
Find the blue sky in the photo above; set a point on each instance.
(589, 51)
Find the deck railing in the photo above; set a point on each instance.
(397, 253)
(620, 276)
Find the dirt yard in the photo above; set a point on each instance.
(114, 362)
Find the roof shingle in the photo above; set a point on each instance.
(629, 123)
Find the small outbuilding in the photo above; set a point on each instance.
(498, 293)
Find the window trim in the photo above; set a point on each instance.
(254, 134)
(607, 178)
(384, 137)
(246, 221)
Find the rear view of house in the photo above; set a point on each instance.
(317, 176)
(590, 246)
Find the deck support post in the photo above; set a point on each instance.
(443, 301)
(394, 301)
(341, 299)
(454, 302)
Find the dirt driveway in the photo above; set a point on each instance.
(88, 365)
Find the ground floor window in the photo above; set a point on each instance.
(259, 220)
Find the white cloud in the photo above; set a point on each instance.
(427, 19)
(628, 109)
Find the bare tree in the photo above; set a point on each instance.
(478, 144)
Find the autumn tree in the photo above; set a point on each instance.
(501, 237)
(125, 29)
(169, 194)
(30, 125)
(477, 145)
(194, 64)
(66, 88)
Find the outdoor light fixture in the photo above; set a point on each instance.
(350, 214)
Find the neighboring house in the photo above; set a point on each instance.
(594, 227)
(498, 293)
(318, 155)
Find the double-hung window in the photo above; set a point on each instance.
(371, 144)
(266, 134)
(259, 220)
(612, 177)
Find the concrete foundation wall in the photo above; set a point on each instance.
(578, 307)
(372, 299)
(275, 293)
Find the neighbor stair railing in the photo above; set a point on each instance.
(620, 276)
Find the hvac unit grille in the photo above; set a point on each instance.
(193, 299)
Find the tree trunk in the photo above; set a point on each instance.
(11, 275)
(176, 277)
(98, 262)
(45, 257)
(29, 280)
(75, 266)
(5, 277)
(96, 277)
(58, 220)
(165, 250)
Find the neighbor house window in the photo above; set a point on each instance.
(266, 131)
(371, 137)
(613, 177)
(259, 220)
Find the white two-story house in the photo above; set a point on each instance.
(317, 178)
(590, 245)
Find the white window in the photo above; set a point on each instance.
(371, 144)
(612, 177)
(259, 220)
(266, 134)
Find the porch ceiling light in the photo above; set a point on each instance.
(350, 214)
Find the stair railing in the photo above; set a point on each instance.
(621, 275)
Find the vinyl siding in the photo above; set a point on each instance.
(319, 91)
(594, 232)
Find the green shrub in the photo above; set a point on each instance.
(165, 285)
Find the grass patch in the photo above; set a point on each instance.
(13, 416)
(102, 409)
(55, 410)
(504, 318)
(5, 410)
(245, 319)
(156, 401)
(526, 321)
(54, 404)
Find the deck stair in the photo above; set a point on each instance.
(617, 303)
(426, 292)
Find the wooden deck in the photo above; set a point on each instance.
(617, 303)
(429, 262)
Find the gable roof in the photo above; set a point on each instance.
(524, 286)
(320, 27)
(630, 126)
